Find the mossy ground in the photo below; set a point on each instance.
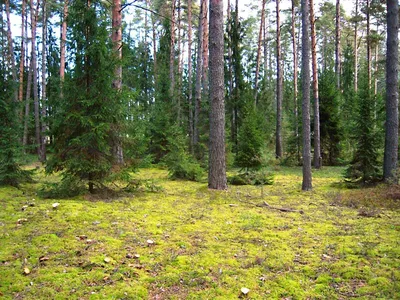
(207, 244)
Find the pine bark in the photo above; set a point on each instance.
(190, 98)
(11, 57)
(369, 56)
(204, 79)
(43, 100)
(27, 106)
(279, 85)
(337, 46)
(295, 82)
(63, 40)
(305, 78)
(199, 74)
(172, 53)
(217, 172)
(356, 50)
(22, 60)
(392, 93)
(34, 17)
(260, 36)
(317, 134)
(116, 38)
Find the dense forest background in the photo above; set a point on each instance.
(96, 88)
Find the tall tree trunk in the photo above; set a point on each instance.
(204, 79)
(317, 135)
(392, 93)
(192, 130)
(11, 57)
(279, 85)
(180, 61)
(369, 56)
(44, 58)
(116, 37)
(199, 72)
(172, 53)
(295, 81)
(34, 17)
(22, 59)
(217, 172)
(259, 51)
(305, 78)
(63, 41)
(356, 50)
(376, 63)
(27, 109)
(230, 70)
(153, 26)
(337, 46)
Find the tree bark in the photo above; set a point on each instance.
(369, 57)
(199, 73)
(337, 46)
(295, 82)
(279, 85)
(34, 17)
(260, 36)
(44, 58)
(305, 78)
(217, 172)
(116, 38)
(172, 53)
(204, 79)
(356, 50)
(190, 77)
(63, 41)
(22, 60)
(27, 109)
(392, 93)
(153, 25)
(11, 57)
(317, 135)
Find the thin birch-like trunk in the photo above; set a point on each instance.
(259, 51)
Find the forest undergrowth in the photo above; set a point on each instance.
(183, 241)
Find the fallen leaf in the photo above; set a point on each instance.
(26, 271)
(136, 256)
(23, 220)
(244, 290)
(55, 205)
(43, 258)
(107, 259)
(150, 242)
(24, 207)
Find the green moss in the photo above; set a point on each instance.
(207, 244)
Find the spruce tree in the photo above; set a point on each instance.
(364, 165)
(88, 119)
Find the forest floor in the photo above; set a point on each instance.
(186, 242)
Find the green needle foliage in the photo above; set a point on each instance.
(10, 172)
(90, 114)
(364, 166)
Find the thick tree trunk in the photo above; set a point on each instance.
(317, 135)
(369, 56)
(190, 77)
(392, 93)
(63, 40)
(356, 51)
(305, 78)
(116, 38)
(260, 36)
(27, 109)
(204, 79)
(337, 46)
(199, 73)
(279, 85)
(34, 17)
(295, 82)
(22, 59)
(172, 53)
(217, 172)
(44, 110)
(11, 57)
